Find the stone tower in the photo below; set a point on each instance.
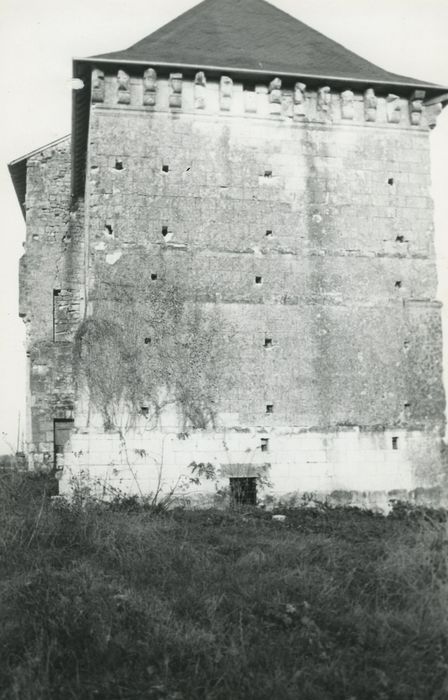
(230, 263)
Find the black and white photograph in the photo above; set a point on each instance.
(224, 355)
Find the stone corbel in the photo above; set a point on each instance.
(275, 96)
(149, 87)
(225, 93)
(347, 106)
(370, 105)
(299, 100)
(124, 87)
(97, 85)
(393, 109)
(416, 107)
(324, 100)
(200, 90)
(275, 91)
(432, 111)
(175, 99)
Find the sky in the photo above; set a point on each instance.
(38, 41)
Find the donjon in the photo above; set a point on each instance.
(229, 284)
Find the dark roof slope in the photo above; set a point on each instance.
(251, 35)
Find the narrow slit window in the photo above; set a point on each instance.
(65, 315)
(56, 295)
(390, 181)
(144, 410)
(164, 231)
(269, 408)
(118, 164)
(108, 230)
(243, 491)
(264, 444)
(395, 443)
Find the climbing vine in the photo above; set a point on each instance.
(147, 345)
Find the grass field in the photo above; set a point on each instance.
(126, 603)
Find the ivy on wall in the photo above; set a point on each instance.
(146, 345)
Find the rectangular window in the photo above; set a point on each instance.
(243, 490)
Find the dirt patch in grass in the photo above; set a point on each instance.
(102, 603)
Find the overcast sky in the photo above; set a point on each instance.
(39, 38)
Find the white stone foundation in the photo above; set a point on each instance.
(352, 465)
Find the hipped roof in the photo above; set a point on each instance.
(251, 35)
(241, 37)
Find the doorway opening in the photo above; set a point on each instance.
(243, 490)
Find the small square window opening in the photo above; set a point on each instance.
(270, 408)
(264, 444)
(395, 443)
(258, 279)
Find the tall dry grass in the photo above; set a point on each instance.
(102, 602)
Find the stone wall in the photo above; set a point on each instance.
(347, 465)
(302, 218)
(51, 294)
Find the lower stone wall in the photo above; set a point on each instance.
(349, 465)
